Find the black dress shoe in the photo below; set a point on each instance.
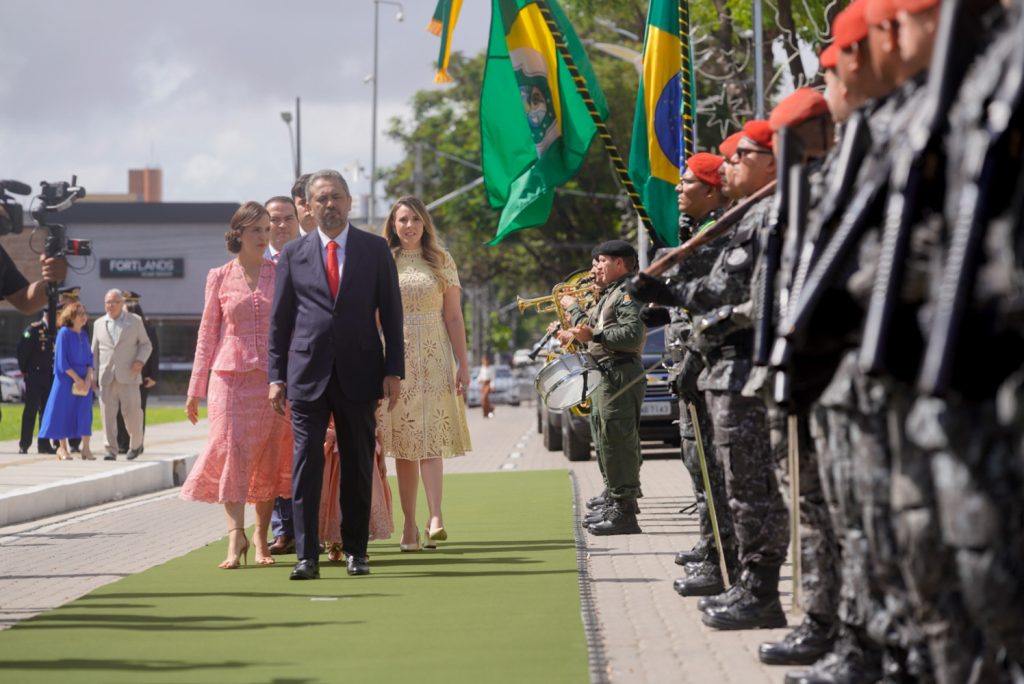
(803, 646)
(133, 454)
(110, 457)
(23, 450)
(358, 565)
(705, 580)
(45, 449)
(305, 570)
(282, 544)
(701, 551)
(748, 611)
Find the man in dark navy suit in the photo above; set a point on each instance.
(327, 358)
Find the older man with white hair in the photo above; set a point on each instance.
(120, 347)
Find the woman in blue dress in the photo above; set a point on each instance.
(68, 411)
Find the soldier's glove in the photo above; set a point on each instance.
(649, 289)
(655, 316)
(710, 329)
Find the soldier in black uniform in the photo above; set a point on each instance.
(701, 202)
(720, 302)
(35, 359)
(805, 121)
(968, 423)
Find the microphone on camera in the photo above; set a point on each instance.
(17, 187)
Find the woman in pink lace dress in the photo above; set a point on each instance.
(248, 456)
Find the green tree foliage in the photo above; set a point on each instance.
(446, 121)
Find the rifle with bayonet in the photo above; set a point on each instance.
(917, 168)
(799, 201)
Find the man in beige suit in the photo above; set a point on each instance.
(120, 347)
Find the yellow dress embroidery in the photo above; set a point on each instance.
(429, 420)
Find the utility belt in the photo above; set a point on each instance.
(613, 360)
(739, 345)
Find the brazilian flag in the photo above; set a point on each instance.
(655, 153)
(534, 125)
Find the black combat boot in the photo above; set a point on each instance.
(700, 552)
(702, 579)
(595, 516)
(620, 519)
(847, 663)
(598, 501)
(756, 606)
(803, 646)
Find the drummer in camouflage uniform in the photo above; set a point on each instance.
(614, 335)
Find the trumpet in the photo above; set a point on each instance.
(579, 285)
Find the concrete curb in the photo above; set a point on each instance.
(56, 496)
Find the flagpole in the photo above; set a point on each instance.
(686, 73)
(602, 131)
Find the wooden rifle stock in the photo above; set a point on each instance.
(710, 234)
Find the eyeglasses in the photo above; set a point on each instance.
(741, 152)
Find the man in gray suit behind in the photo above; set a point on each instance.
(120, 347)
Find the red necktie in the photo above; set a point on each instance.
(333, 281)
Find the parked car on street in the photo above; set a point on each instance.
(504, 389)
(9, 389)
(9, 367)
(659, 414)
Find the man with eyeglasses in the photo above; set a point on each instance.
(723, 332)
(701, 203)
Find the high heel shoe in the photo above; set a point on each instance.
(438, 535)
(243, 552)
(415, 546)
(63, 454)
(335, 552)
(87, 454)
(264, 559)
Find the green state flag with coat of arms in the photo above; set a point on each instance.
(655, 152)
(534, 124)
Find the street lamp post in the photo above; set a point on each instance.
(372, 213)
(295, 136)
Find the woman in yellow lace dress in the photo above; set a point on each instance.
(428, 424)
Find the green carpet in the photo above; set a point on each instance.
(498, 602)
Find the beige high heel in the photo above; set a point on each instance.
(229, 564)
(87, 454)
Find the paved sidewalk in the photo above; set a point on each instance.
(648, 633)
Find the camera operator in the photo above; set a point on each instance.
(27, 297)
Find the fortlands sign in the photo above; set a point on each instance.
(142, 268)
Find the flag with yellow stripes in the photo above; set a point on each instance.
(446, 15)
(654, 157)
(535, 124)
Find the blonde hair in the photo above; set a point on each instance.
(433, 250)
(66, 317)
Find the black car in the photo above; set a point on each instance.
(659, 415)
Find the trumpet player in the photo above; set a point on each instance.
(614, 335)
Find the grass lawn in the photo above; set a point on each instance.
(498, 602)
(10, 423)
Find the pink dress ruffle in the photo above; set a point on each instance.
(382, 524)
(248, 456)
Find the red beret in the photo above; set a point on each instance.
(850, 26)
(759, 132)
(914, 6)
(827, 60)
(728, 146)
(802, 105)
(879, 11)
(705, 167)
